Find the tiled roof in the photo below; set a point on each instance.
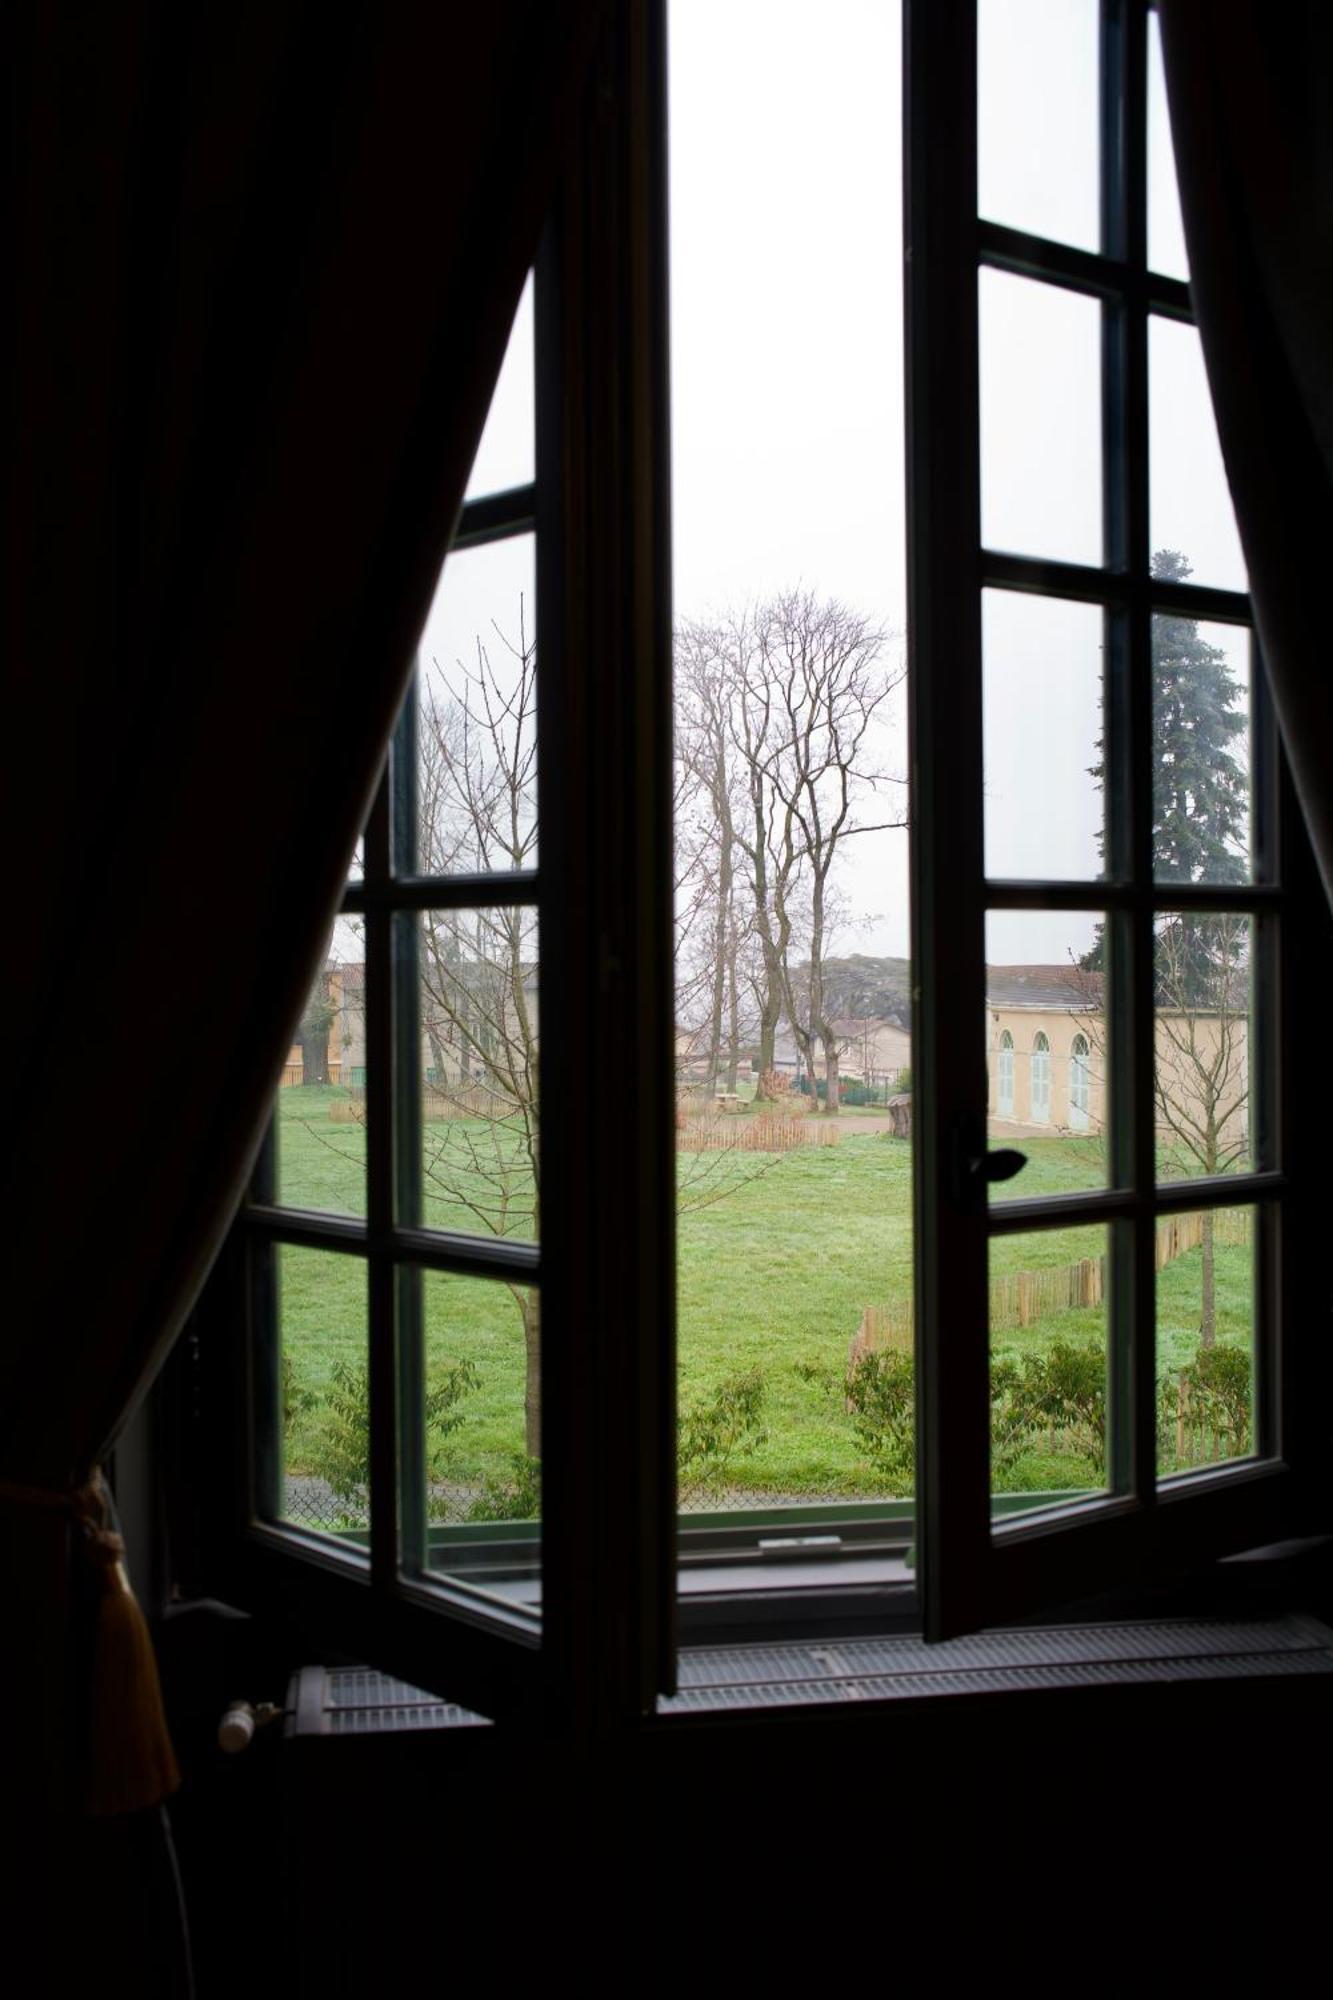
(1058, 987)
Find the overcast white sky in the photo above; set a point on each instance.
(787, 372)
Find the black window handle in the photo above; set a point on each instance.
(973, 1165)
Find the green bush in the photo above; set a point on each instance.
(1062, 1391)
(517, 1497)
(296, 1398)
(711, 1432)
(341, 1456)
(1218, 1400)
(880, 1393)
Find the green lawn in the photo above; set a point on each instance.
(773, 1277)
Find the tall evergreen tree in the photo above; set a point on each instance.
(1200, 777)
(1200, 784)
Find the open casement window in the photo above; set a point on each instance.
(424, 1203)
(1160, 1035)
(1165, 1011)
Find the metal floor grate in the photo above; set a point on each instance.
(894, 1669)
(359, 1701)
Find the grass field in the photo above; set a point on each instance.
(773, 1277)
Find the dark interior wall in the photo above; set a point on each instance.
(1028, 1832)
(1057, 1822)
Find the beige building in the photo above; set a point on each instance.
(1046, 1062)
(870, 1050)
(450, 1055)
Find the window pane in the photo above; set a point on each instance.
(1202, 966)
(477, 715)
(1047, 1049)
(1037, 117)
(1166, 231)
(1201, 750)
(506, 455)
(786, 306)
(1206, 1314)
(1042, 664)
(1049, 1297)
(792, 1003)
(482, 1415)
(1041, 426)
(323, 1383)
(795, 1307)
(321, 1106)
(479, 1063)
(1192, 518)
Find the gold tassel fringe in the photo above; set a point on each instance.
(131, 1762)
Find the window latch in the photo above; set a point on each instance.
(975, 1165)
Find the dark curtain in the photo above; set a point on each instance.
(1250, 86)
(262, 263)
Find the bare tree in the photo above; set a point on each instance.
(777, 713)
(713, 918)
(825, 682)
(1202, 1070)
(1201, 1067)
(479, 1005)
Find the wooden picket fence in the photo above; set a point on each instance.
(471, 1100)
(1021, 1298)
(763, 1132)
(1199, 1439)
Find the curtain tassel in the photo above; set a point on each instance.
(131, 1762)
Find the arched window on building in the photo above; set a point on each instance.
(1004, 1077)
(1079, 1088)
(1041, 1081)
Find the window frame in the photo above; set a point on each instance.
(603, 1645)
(601, 506)
(975, 1572)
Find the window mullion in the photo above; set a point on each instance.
(1139, 1336)
(948, 911)
(605, 724)
(408, 1334)
(379, 1194)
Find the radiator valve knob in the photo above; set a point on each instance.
(236, 1731)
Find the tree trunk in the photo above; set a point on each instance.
(831, 1105)
(315, 1058)
(1208, 1317)
(768, 1034)
(531, 1309)
(733, 1017)
(439, 1059)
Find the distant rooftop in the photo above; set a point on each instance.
(1065, 987)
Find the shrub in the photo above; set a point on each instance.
(296, 1398)
(1212, 1397)
(710, 1433)
(877, 1390)
(1062, 1390)
(518, 1497)
(342, 1452)
(880, 1394)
